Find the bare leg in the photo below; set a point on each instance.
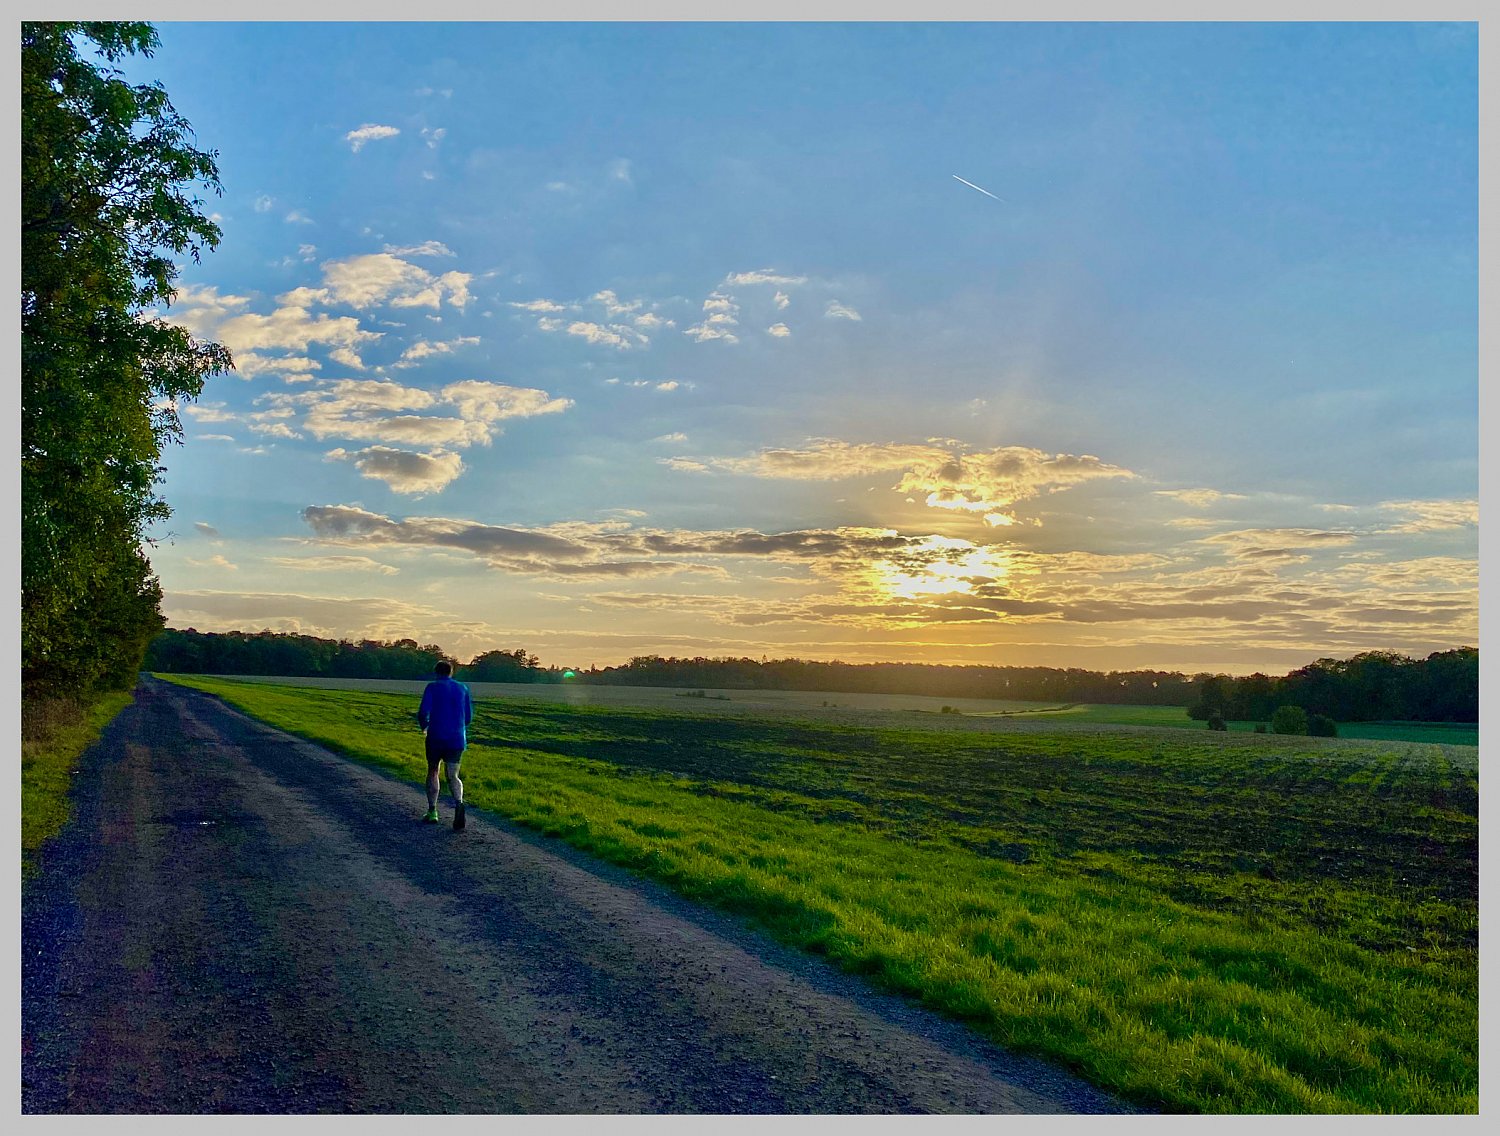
(432, 789)
(455, 786)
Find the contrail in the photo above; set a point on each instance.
(981, 189)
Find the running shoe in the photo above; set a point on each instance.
(431, 817)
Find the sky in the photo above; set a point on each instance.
(1093, 345)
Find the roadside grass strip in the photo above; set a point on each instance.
(1166, 975)
(53, 738)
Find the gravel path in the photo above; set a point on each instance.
(239, 921)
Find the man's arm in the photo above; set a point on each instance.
(468, 706)
(424, 712)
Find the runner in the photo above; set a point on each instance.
(444, 716)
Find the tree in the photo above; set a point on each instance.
(1216, 722)
(1289, 720)
(106, 210)
(1321, 726)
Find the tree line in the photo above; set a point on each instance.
(306, 656)
(1369, 687)
(1373, 686)
(108, 170)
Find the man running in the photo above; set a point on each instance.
(445, 714)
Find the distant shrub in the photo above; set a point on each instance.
(1322, 726)
(1201, 711)
(949, 710)
(1289, 720)
(1260, 727)
(1217, 723)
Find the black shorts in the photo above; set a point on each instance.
(443, 751)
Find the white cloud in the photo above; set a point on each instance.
(433, 137)
(1433, 516)
(333, 617)
(364, 281)
(615, 335)
(263, 203)
(1199, 498)
(275, 430)
(372, 394)
(836, 310)
(779, 330)
(457, 286)
(985, 481)
(538, 305)
(1277, 544)
(332, 564)
(290, 368)
(370, 410)
(290, 327)
(781, 300)
(668, 386)
(619, 170)
(493, 402)
(422, 349)
(369, 132)
(426, 248)
(215, 561)
(613, 305)
(209, 412)
(307, 252)
(297, 217)
(197, 305)
(762, 276)
(206, 529)
(403, 470)
(723, 315)
(679, 436)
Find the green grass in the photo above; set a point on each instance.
(1221, 923)
(1439, 733)
(53, 736)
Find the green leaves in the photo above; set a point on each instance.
(108, 208)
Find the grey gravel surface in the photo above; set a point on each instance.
(240, 921)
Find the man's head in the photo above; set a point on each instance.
(444, 668)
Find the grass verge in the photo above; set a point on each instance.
(54, 732)
(1217, 924)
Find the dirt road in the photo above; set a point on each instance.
(238, 921)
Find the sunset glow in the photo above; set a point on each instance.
(611, 366)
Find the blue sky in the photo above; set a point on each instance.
(610, 339)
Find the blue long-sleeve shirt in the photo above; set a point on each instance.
(446, 712)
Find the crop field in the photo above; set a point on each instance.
(1204, 922)
(1175, 717)
(883, 709)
